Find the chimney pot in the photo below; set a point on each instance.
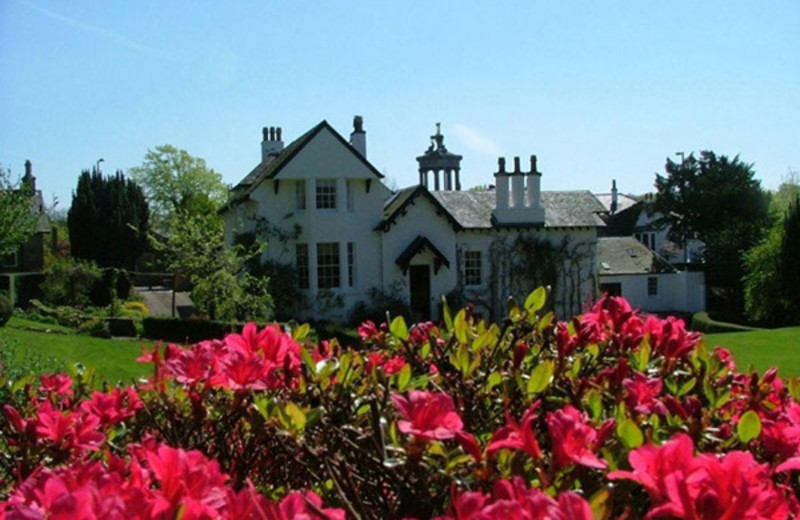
(534, 168)
(28, 168)
(265, 134)
(278, 134)
(501, 164)
(516, 165)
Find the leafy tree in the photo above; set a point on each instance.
(176, 183)
(108, 220)
(222, 286)
(789, 266)
(717, 200)
(17, 222)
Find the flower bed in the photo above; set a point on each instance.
(610, 415)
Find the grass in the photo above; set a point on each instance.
(114, 360)
(763, 349)
(21, 323)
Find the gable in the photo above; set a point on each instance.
(322, 150)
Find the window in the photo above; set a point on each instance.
(472, 268)
(652, 286)
(351, 264)
(350, 188)
(10, 260)
(301, 264)
(326, 193)
(328, 265)
(300, 195)
(647, 238)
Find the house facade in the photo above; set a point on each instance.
(648, 281)
(323, 208)
(29, 257)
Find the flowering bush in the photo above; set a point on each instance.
(609, 415)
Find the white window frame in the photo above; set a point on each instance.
(473, 268)
(325, 194)
(652, 286)
(329, 264)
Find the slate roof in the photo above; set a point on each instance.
(626, 255)
(623, 201)
(271, 168)
(562, 209)
(37, 209)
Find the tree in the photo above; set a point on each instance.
(17, 221)
(175, 182)
(108, 220)
(222, 287)
(789, 266)
(717, 200)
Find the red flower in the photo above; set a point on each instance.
(368, 330)
(705, 487)
(573, 438)
(642, 394)
(669, 337)
(394, 365)
(427, 415)
(517, 436)
(60, 384)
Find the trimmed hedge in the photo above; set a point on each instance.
(176, 330)
(702, 322)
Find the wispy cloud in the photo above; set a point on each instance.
(105, 33)
(476, 141)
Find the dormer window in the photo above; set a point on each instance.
(326, 193)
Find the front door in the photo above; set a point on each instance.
(420, 285)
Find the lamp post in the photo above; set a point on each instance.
(97, 164)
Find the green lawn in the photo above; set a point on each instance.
(763, 349)
(114, 360)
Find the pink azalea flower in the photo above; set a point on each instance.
(427, 415)
(517, 436)
(642, 394)
(669, 337)
(59, 384)
(574, 439)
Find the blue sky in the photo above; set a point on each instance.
(598, 90)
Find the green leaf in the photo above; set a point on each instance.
(296, 416)
(599, 503)
(308, 360)
(794, 388)
(461, 326)
(398, 328)
(301, 332)
(546, 320)
(535, 300)
(540, 377)
(642, 356)
(595, 401)
(749, 426)
(630, 434)
(494, 379)
(687, 387)
(448, 319)
(404, 377)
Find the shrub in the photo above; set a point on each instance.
(69, 282)
(609, 415)
(6, 309)
(135, 309)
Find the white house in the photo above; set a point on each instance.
(324, 209)
(648, 281)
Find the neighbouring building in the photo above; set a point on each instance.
(648, 281)
(29, 257)
(323, 208)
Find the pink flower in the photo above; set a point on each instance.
(669, 337)
(59, 384)
(113, 407)
(517, 436)
(573, 438)
(394, 365)
(642, 394)
(427, 415)
(704, 487)
(514, 500)
(368, 330)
